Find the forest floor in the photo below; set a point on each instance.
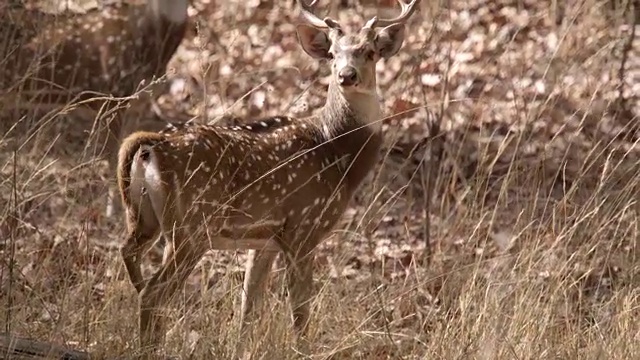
(526, 246)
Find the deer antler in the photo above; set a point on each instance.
(407, 9)
(313, 19)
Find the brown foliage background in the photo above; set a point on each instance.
(522, 115)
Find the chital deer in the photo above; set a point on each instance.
(104, 52)
(263, 187)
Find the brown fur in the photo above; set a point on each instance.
(85, 58)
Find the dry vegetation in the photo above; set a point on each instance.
(532, 221)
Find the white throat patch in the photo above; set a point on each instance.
(172, 10)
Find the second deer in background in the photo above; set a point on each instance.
(77, 57)
(259, 187)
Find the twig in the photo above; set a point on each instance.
(436, 143)
(12, 347)
(633, 9)
(12, 238)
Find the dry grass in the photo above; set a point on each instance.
(533, 220)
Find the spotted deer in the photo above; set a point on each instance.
(276, 185)
(107, 51)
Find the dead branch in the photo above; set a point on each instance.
(15, 348)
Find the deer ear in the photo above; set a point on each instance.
(314, 42)
(389, 40)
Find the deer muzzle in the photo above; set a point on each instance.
(348, 76)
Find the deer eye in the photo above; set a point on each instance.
(369, 54)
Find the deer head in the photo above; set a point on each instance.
(353, 56)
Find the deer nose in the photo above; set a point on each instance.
(347, 76)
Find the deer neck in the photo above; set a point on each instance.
(163, 29)
(351, 126)
(173, 11)
(353, 109)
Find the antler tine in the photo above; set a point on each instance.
(407, 9)
(313, 19)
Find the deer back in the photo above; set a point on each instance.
(108, 51)
(288, 173)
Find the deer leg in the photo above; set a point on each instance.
(132, 251)
(163, 286)
(142, 228)
(299, 271)
(256, 273)
(257, 269)
(255, 276)
(112, 146)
